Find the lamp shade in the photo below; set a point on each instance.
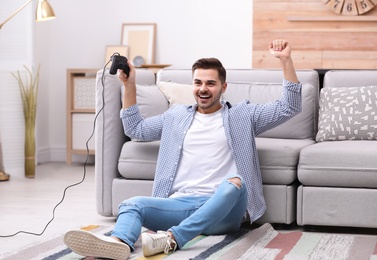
(44, 11)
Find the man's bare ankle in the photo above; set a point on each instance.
(172, 238)
(117, 239)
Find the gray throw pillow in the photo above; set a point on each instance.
(348, 113)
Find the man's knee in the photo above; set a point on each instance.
(236, 181)
(134, 201)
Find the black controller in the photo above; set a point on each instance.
(119, 62)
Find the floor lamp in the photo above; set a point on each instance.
(44, 12)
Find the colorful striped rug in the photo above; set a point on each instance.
(260, 243)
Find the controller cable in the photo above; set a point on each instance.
(85, 163)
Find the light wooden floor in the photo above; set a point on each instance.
(27, 204)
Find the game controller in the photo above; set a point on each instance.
(119, 62)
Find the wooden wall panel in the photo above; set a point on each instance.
(350, 59)
(306, 59)
(320, 38)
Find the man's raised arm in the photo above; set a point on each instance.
(281, 49)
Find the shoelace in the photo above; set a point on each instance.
(168, 246)
(161, 242)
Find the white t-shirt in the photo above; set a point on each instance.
(206, 157)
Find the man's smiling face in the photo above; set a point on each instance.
(207, 90)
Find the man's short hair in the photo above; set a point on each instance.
(211, 63)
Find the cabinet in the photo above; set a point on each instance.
(81, 92)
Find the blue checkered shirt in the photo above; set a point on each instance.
(242, 122)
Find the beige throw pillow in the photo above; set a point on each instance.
(177, 93)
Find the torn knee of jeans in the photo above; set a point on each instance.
(236, 182)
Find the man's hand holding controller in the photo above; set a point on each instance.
(127, 79)
(129, 83)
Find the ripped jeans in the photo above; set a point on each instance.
(185, 217)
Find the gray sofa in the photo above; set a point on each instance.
(319, 168)
(125, 168)
(338, 174)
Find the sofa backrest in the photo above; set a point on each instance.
(261, 86)
(349, 78)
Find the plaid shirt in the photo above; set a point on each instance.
(242, 122)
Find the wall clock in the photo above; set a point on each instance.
(350, 7)
(138, 61)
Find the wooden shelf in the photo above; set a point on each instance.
(155, 67)
(80, 110)
(335, 18)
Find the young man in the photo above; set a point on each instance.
(207, 178)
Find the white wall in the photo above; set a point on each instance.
(77, 38)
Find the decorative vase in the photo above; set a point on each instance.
(29, 91)
(29, 150)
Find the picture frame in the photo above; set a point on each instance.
(111, 49)
(141, 40)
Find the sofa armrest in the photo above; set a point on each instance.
(109, 138)
(109, 134)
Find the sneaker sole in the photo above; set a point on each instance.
(86, 244)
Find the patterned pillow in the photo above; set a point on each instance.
(348, 113)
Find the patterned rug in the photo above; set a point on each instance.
(260, 243)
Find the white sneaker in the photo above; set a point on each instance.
(87, 244)
(157, 243)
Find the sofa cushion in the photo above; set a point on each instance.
(348, 113)
(278, 159)
(150, 100)
(302, 126)
(340, 164)
(137, 160)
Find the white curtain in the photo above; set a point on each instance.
(16, 45)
